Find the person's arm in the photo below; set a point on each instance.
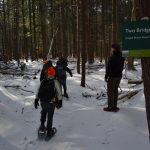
(58, 90)
(42, 75)
(58, 99)
(108, 68)
(68, 70)
(36, 101)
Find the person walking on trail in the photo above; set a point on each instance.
(61, 69)
(113, 77)
(44, 72)
(50, 95)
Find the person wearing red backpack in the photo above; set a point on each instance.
(50, 96)
(44, 70)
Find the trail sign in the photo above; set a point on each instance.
(136, 38)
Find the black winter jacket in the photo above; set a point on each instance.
(115, 65)
(64, 64)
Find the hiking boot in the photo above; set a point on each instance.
(42, 127)
(66, 95)
(107, 109)
(115, 109)
(51, 132)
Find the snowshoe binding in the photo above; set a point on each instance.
(41, 132)
(50, 134)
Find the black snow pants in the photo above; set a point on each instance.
(112, 91)
(47, 114)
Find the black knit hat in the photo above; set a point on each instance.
(116, 47)
(49, 62)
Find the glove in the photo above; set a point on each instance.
(59, 104)
(36, 103)
(106, 79)
(71, 75)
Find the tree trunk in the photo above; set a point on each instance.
(134, 16)
(114, 21)
(83, 16)
(103, 30)
(16, 32)
(43, 13)
(24, 45)
(142, 10)
(34, 31)
(30, 28)
(145, 65)
(78, 39)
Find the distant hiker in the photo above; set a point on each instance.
(50, 95)
(113, 77)
(44, 73)
(61, 68)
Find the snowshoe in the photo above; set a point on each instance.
(41, 132)
(50, 134)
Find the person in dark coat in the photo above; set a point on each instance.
(61, 69)
(50, 95)
(46, 65)
(44, 74)
(113, 77)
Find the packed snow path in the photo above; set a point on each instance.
(82, 124)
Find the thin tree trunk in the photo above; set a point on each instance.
(24, 45)
(43, 12)
(103, 31)
(114, 21)
(16, 32)
(34, 32)
(83, 14)
(141, 9)
(78, 39)
(30, 28)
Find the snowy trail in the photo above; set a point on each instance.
(86, 128)
(82, 124)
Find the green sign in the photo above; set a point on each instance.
(136, 38)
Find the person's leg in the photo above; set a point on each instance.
(117, 82)
(43, 115)
(50, 108)
(64, 85)
(65, 88)
(110, 92)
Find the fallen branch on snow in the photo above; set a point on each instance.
(128, 95)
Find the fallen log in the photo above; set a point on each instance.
(135, 81)
(128, 95)
(17, 87)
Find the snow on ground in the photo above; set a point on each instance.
(82, 124)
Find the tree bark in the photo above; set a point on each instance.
(78, 39)
(114, 21)
(145, 65)
(83, 14)
(142, 10)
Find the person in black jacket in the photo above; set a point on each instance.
(44, 73)
(113, 77)
(49, 94)
(61, 68)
